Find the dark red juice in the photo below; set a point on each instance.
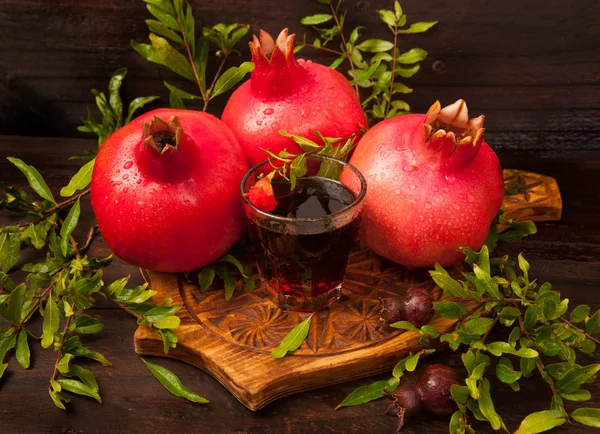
(302, 261)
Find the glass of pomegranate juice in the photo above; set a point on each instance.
(304, 240)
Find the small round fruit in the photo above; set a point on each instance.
(165, 190)
(434, 386)
(419, 306)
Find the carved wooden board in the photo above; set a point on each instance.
(232, 340)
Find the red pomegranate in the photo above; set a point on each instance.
(434, 185)
(299, 97)
(165, 190)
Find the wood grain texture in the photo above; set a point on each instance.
(566, 253)
(345, 342)
(530, 66)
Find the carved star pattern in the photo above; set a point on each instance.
(260, 325)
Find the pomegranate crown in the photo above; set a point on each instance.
(453, 123)
(162, 136)
(267, 50)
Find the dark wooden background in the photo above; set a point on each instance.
(533, 67)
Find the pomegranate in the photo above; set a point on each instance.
(434, 185)
(299, 97)
(165, 190)
(416, 307)
(431, 393)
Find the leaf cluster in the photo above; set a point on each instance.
(62, 286)
(175, 45)
(375, 65)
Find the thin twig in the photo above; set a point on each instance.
(38, 301)
(212, 85)
(329, 50)
(542, 369)
(341, 30)
(56, 207)
(90, 238)
(388, 102)
(186, 44)
(485, 336)
(587, 335)
(62, 340)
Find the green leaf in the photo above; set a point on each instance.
(51, 322)
(305, 144)
(541, 421)
(228, 281)
(170, 322)
(171, 58)
(57, 399)
(531, 317)
(160, 312)
(587, 416)
(460, 393)
(293, 340)
(113, 290)
(22, 352)
(85, 375)
(412, 361)
(505, 371)
(63, 365)
(3, 367)
(73, 345)
(138, 103)
(69, 225)
(387, 17)
(78, 387)
(448, 284)
(527, 366)
(181, 93)
(163, 16)
(486, 405)
(579, 396)
(172, 383)
(114, 98)
(34, 178)
(206, 277)
(404, 325)
(337, 62)
(230, 78)
(487, 284)
(592, 325)
(375, 45)
(176, 102)
(298, 169)
(478, 326)
(80, 180)
(10, 249)
(412, 56)
(15, 304)
(580, 313)
(161, 29)
(313, 20)
(365, 394)
(571, 382)
(419, 27)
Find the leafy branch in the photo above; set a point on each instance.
(175, 22)
(380, 73)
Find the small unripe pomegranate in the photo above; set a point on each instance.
(416, 307)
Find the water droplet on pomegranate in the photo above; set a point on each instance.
(409, 168)
(139, 181)
(413, 186)
(125, 190)
(295, 111)
(470, 197)
(421, 218)
(126, 176)
(318, 107)
(445, 189)
(140, 203)
(117, 183)
(455, 206)
(289, 100)
(329, 86)
(340, 104)
(434, 188)
(275, 126)
(428, 205)
(116, 201)
(396, 178)
(259, 122)
(128, 165)
(315, 94)
(397, 191)
(269, 111)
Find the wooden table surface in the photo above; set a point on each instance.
(566, 253)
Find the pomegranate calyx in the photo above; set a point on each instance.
(163, 136)
(265, 48)
(452, 122)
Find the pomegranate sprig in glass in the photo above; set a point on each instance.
(304, 235)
